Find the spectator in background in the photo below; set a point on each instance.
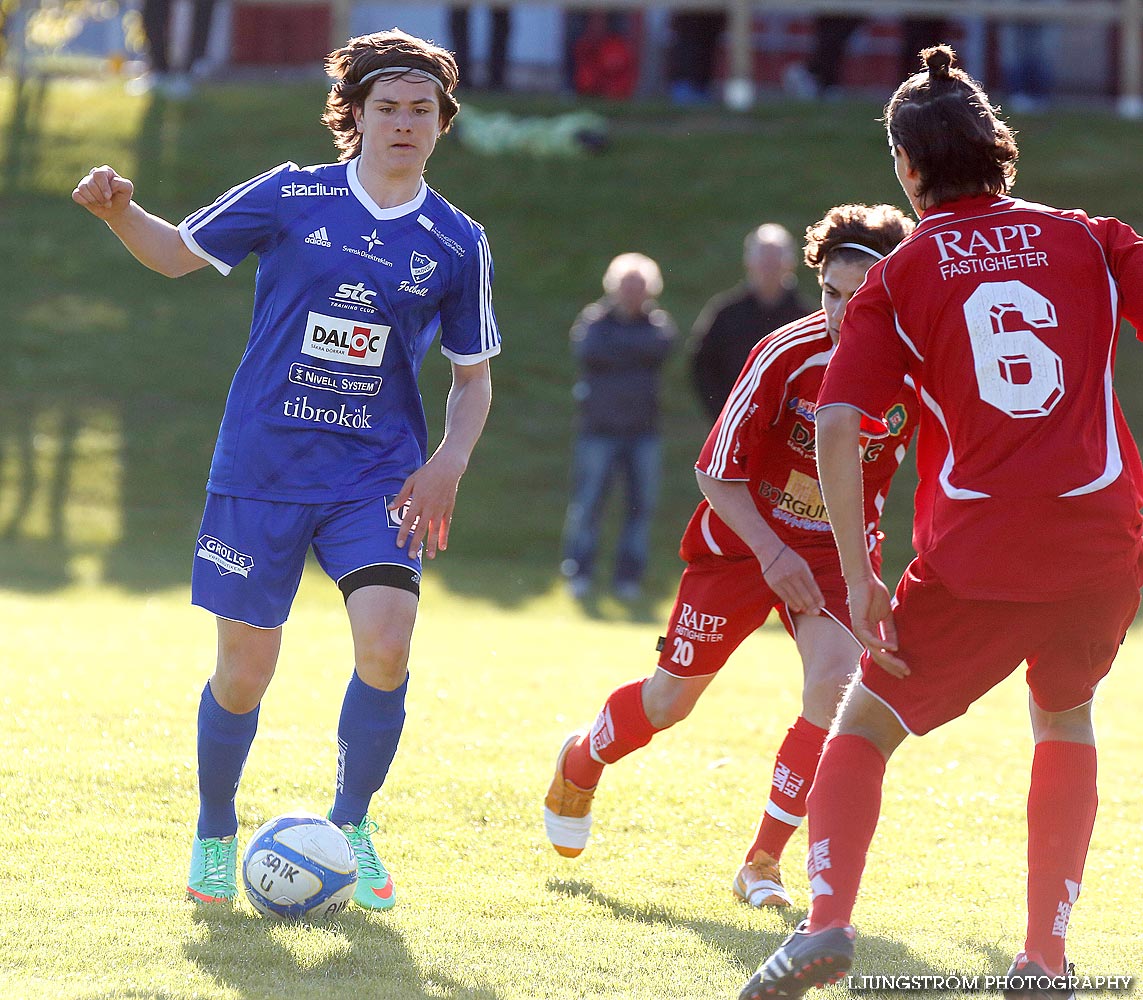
(581, 25)
(600, 60)
(821, 75)
(690, 61)
(164, 74)
(620, 344)
(1027, 54)
(732, 322)
(498, 49)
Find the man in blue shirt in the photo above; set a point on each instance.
(323, 443)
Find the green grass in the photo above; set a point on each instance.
(97, 800)
(110, 397)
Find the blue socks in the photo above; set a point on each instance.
(367, 737)
(223, 744)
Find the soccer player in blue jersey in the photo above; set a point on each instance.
(323, 443)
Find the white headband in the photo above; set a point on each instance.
(401, 71)
(863, 249)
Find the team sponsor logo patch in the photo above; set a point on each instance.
(341, 339)
(354, 417)
(316, 190)
(807, 408)
(339, 382)
(802, 440)
(799, 504)
(447, 241)
(356, 297)
(398, 515)
(226, 558)
(372, 241)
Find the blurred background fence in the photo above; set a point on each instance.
(1090, 48)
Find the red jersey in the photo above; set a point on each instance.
(1006, 314)
(765, 437)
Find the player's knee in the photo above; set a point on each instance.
(244, 668)
(382, 657)
(239, 684)
(823, 689)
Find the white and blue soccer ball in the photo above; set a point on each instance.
(300, 867)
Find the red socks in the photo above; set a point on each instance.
(620, 728)
(844, 807)
(1062, 803)
(794, 770)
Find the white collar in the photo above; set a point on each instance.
(373, 208)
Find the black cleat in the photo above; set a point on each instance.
(1029, 980)
(802, 961)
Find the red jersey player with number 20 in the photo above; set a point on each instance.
(759, 541)
(1027, 525)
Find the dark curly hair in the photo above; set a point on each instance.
(362, 55)
(955, 139)
(878, 227)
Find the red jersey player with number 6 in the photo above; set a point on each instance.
(760, 541)
(1027, 524)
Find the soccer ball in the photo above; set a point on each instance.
(300, 867)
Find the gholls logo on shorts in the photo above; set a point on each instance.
(226, 558)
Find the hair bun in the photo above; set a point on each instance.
(938, 61)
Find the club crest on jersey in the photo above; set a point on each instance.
(421, 267)
(896, 418)
(226, 558)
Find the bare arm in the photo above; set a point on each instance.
(839, 471)
(786, 572)
(431, 490)
(152, 241)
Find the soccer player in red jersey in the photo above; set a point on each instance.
(759, 541)
(1027, 524)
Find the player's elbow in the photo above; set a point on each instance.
(836, 424)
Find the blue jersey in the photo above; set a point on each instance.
(348, 299)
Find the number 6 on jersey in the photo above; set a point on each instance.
(1015, 371)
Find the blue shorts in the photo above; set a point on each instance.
(250, 553)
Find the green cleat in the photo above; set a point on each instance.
(374, 883)
(212, 870)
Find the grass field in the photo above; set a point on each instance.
(97, 800)
(109, 401)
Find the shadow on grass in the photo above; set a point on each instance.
(358, 955)
(876, 954)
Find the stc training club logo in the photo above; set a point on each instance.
(341, 339)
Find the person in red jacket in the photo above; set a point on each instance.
(1027, 526)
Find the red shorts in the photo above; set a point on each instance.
(957, 650)
(721, 601)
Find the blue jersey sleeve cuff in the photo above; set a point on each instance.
(193, 246)
(470, 359)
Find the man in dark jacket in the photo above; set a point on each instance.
(732, 322)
